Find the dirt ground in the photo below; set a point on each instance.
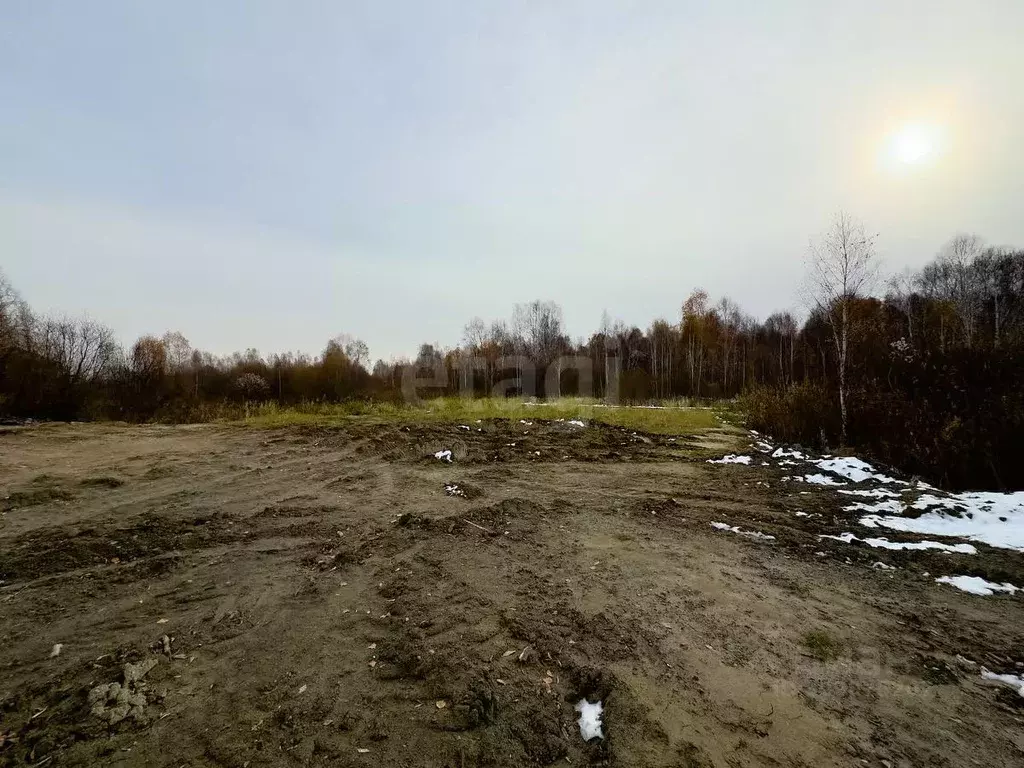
(225, 596)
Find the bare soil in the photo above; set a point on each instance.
(225, 596)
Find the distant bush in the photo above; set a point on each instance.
(804, 413)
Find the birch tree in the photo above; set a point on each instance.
(842, 266)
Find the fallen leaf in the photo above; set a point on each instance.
(303, 689)
(506, 654)
(499, 681)
(162, 621)
(361, 751)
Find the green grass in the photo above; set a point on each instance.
(673, 419)
(822, 645)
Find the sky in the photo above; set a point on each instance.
(272, 174)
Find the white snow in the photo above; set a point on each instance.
(741, 532)
(730, 459)
(444, 455)
(976, 585)
(1014, 681)
(464, 426)
(590, 719)
(883, 566)
(894, 506)
(852, 468)
(849, 538)
(874, 493)
(782, 453)
(453, 490)
(577, 423)
(996, 519)
(820, 480)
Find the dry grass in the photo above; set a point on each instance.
(822, 645)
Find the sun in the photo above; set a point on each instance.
(915, 144)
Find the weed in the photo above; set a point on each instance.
(822, 645)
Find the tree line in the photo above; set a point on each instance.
(920, 371)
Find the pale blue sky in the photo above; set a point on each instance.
(271, 174)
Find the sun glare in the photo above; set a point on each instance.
(915, 144)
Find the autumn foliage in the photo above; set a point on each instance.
(933, 368)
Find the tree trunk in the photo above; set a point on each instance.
(842, 377)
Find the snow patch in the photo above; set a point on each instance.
(849, 538)
(590, 719)
(996, 519)
(976, 585)
(782, 453)
(873, 493)
(577, 423)
(1014, 681)
(741, 532)
(730, 459)
(819, 480)
(894, 506)
(444, 455)
(852, 468)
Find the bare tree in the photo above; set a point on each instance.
(957, 258)
(10, 303)
(841, 266)
(784, 327)
(538, 325)
(900, 293)
(148, 360)
(731, 319)
(474, 334)
(81, 349)
(693, 328)
(179, 351)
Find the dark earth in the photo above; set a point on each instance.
(232, 596)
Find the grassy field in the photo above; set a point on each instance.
(669, 418)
